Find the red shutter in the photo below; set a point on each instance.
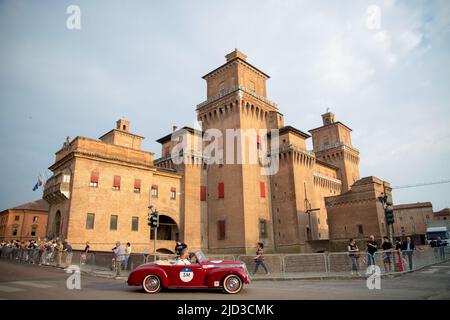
(167, 151)
(258, 139)
(137, 183)
(173, 189)
(94, 177)
(116, 181)
(262, 189)
(221, 190)
(221, 231)
(202, 193)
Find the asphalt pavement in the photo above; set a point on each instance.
(26, 281)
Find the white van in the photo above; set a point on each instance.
(434, 232)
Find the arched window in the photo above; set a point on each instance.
(167, 229)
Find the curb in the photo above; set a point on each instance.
(105, 276)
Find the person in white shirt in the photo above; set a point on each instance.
(184, 258)
(119, 256)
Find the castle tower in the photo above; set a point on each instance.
(193, 221)
(122, 136)
(238, 196)
(332, 144)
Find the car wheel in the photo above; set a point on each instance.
(151, 284)
(232, 284)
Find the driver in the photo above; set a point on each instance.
(184, 258)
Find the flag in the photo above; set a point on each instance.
(39, 183)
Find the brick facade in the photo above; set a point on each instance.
(220, 208)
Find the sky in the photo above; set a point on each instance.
(381, 66)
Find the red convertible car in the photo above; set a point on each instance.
(200, 273)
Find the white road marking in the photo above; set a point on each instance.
(441, 266)
(30, 284)
(430, 271)
(9, 289)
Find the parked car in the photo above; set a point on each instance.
(201, 273)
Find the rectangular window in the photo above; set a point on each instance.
(14, 231)
(221, 190)
(116, 183)
(137, 185)
(90, 221)
(154, 191)
(134, 223)
(173, 193)
(262, 229)
(360, 229)
(33, 231)
(221, 230)
(202, 193)
(258, 141)
(262, 189)
(113, 222)
(94, 179)
(16, 218)
(35, 219)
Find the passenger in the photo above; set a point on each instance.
(179, 247)
(184, 258)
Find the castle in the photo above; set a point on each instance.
(101, 188)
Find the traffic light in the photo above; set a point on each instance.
(389, 213)
(153, 220)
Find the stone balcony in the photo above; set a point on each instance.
(57, 188)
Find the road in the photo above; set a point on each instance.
(23, 281)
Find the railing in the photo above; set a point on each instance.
(234, 89)
(305, 265)
(335, 145)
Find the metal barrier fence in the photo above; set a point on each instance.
(273, 263)
(282, 266)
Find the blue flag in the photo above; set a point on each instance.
(39, 183)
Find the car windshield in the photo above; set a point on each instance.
(201, 256)
(435, 235)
